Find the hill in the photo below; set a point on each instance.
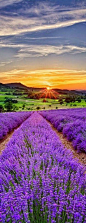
(16, 85)
(20, 86)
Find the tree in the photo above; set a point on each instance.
(1, 108)
(44, 100)
(69, 99)
(60, 100)
(79, 99)
(38, 108)
(10, 99)
(9, 106)
(23, 106)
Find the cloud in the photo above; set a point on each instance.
(26, 50)
(18, 26)
(54, 78)
(39, 18)
(45, 50)
(50, 11)
(2, 64)
(8, 2)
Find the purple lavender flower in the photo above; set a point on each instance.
(40, 180)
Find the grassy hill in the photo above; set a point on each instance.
(29, 98)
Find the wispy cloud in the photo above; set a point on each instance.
(45, 17)
(5, 63)
(29, 32)
(25, 50)
(17, 26)
(45, 50)
(53, 78)
(8, 2)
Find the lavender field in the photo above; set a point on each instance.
(10, 121)
(72, 123)
(40, 181)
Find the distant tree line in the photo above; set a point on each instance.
(69, 99)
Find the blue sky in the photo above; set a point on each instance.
(43, 43)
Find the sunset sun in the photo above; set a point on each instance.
(48, 88)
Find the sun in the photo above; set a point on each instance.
(48, 88)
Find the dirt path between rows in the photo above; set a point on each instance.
(68, 145)
(5, 140)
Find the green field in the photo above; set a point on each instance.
(25, 103)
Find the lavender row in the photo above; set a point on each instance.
(40, 180)
(11, 120)
(72, 123)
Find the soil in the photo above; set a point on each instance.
(5, 140)
(81, 157)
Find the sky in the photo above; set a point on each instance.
(43, 43)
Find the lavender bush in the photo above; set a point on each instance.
(72, 123)
(40, 181)
(11, 120)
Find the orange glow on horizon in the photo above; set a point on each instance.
(49, 79)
